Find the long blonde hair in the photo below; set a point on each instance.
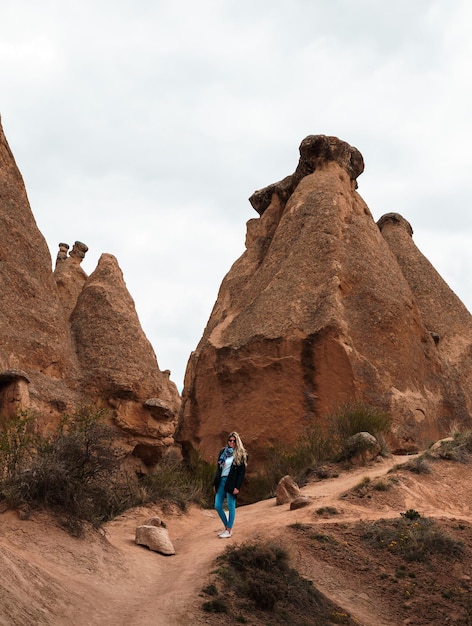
(239, 454)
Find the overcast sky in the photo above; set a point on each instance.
(141, 127)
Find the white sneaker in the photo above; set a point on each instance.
(225, 534)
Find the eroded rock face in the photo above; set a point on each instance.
(444, 315)
(68, 340)
(315, 313)
(33, 331)
(118, 362)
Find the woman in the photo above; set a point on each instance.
(229, 476)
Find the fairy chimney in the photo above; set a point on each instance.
(317, 312)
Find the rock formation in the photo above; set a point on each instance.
(153, 534)
(443, 313)
(69, 276)
(69, 340)
(34, 334)
(319, 311)
(36, 352)
(119, 364)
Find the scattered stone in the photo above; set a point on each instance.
(362, 448)
(24, 512)
(286, 491)
(300, 502)
(438, 444)
(154, 521)
(156, 538)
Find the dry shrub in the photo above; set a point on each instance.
(459, 449)
(299, 460)
(72, 471)
(413, 537)
(174, 481)
(419, 465)
(76, 473)
(255, 579)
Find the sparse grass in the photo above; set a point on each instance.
(175, 482)
(419, 465)
(381, 485)
(365, 486)
(256, 579)
(321, 537)
(413, 537)
(459, 449)
(316, 446)
(311, 531)
(327, 510)
(217, 605)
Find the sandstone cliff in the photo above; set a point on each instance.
(316, 312)
(68, 340)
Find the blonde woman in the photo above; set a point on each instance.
(229, 476)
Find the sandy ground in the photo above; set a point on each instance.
(51, 578)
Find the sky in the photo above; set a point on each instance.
(141, 128)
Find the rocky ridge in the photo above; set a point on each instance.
(70, 340)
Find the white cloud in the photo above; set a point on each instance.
(142, 129)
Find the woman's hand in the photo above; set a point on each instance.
(235, 491)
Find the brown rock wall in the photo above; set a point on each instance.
(316, 312)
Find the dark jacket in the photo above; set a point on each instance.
(235, 476)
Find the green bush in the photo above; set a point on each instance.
(356, 417)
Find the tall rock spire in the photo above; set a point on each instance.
(33, 332)
(443, 313)
(315, 313)
(118, 363)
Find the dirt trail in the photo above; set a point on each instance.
(51, 579)
(170, 595)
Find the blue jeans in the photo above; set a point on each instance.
(230, 501)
